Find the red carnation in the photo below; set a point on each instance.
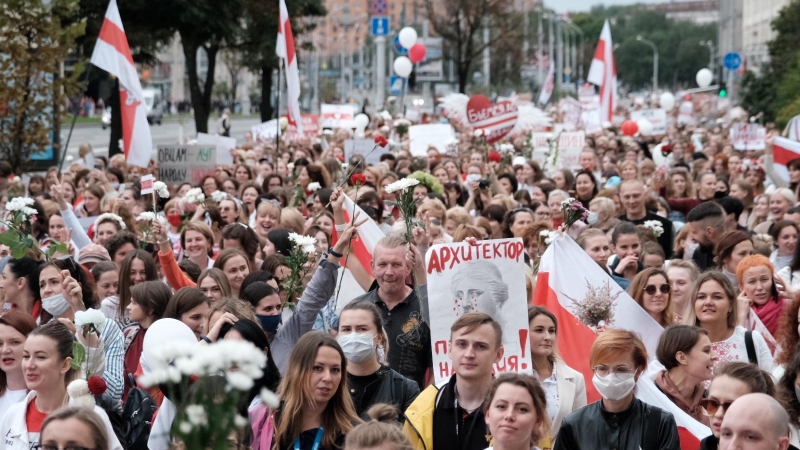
(666, 150)
(97, 385)
(358, 179)
(495, 157)
(381, 141)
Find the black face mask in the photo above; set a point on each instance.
(720, 194)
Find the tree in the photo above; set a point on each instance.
(460, 23)
(235, 64)
(34, 40)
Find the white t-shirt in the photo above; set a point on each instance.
(734, 349)
(11, 398)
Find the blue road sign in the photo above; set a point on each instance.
(398, 48)
(395, 85)
(732, 61)
(380, 26)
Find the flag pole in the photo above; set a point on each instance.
(65, 147)
(278, 106)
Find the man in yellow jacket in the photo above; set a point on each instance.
(450, 416)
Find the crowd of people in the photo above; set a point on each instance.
(706, 244)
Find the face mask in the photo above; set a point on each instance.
(357, 347)
(473, 177)
(55, 305)
(692, 249)
(270, 323)
(612, 388)
(593, 218)
(115, 185)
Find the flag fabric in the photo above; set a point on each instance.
(113, 54)
(603, 73)
(793, 128)
(570, 284)
(285, 50)
(547, 87)
(783, 151)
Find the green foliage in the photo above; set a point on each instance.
(34, 40)
(78, 355)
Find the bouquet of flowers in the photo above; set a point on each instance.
(188, 205)
(208, 418)
(84, 390)
(655, 227)
(219, 196)
(597, 307)
(406, 203)
(573, 211)
(18, 223)
(303, 249)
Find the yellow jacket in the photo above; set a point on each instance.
(418, 426)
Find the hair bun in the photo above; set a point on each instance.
(382, 412)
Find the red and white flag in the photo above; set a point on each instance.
(792, 130)
(603, 73)
(285, 50)
(547, 87)
(783, 151)
(569, 283)
(112, 54)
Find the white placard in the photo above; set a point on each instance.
(338, 116)
(541, 147)
(266, 131)
(488, 278)
(570, 145)
(686, 113)
(364, 147)
(437, 134)
(658, 117)
(223, 144)
(748, 136)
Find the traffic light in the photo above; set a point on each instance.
(723, 90)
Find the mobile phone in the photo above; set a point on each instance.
(98, 166)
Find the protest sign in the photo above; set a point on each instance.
(591, 121)
(223, 145)
(365, 148)
(488, 278)
(266, 131)
(570, 145)
(657, 117)
(748, 136)
(310, 126)
(338, 116)
(686, 113)
(147, 184)
(572, 110)
(185, 163)
(437, 134)
(541, 147)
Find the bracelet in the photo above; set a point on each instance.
(166, 241)
(205, 338)
(333, 252)
(341, 227)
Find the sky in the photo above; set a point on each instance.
(586, 5)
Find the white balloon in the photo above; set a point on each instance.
(407, 37)
(362, 120)
(402, 66)
(163, 332)
(704, 78)
(645, 127)
(667, 101)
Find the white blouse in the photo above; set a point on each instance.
(734, 349)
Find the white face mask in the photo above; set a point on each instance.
(692, 248)
(357, 347)
(115, 185)
(55, 305)
(473, 177)
(593, 218)
(612, 388)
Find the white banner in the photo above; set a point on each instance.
(658, 117)
(338, 116)
(223, 144)
(266, 131)
(570, 145)
(365, 148)
(436, 134)
(748, 136)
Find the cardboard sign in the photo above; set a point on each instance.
(338, 116)
(436, 134)
(686, 113)
(366, 148)
(540, 142)
(266, 131)
(488, 278)
(147, 184)
(570, 145)
(748, 136)
(495, 119)
(185, 163)
(658, 117)
(223, 145)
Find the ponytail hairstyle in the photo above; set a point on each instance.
(381, 431)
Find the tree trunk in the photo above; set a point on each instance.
(266, 93)
(463, 76)
(116, 121)
(201, 98)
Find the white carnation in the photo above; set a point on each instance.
(219, 196)
(78, 388)
(90, 317)
(161, 189)
(401, 185)
(478, 132)
(313, 187)
(290, 166)
(239, 381)
(302, 241)
(111, 216)
(240, 421)
(147, 216)
(654, 226)
(309, 249)
(194, 195)
(196, 415)
(269, 398)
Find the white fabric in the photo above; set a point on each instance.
(159, 434)
(9, 399)
(733, 349)
(603, 73)
(285, 49)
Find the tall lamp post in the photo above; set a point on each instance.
(711, 55)
(655, 61)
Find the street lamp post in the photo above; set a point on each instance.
(655, 61)
(579, 61)
(711, 54)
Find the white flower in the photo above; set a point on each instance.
(313, 187)
(327, 132)
(90, 317)
(161, 189)
(478, 132)
(78, 388)
(84, 401)
(196, 415)
(567, 202)
(109, 216)
(401, 185)
(290, 166)
(309, 249)
(551, 237)
(21, 205)
(194, 195)
(185, 427)
(655, 227)
(240, 421)
(302, 241)
(147, 216)
(239, 381)
(219, 196)
(269, 398)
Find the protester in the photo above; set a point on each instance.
(596, 244)
(651, 289)
(758, 290)
(707, 225)
(681, 275)
(381, 431)
(515, 411)
(755, 414)
(15, 326)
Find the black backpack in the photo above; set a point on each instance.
(138, 416)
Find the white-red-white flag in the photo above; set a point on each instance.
(603, 73)
(113, 54)
(783, 151)
(285, 49)
(570, 282)
(547, 87)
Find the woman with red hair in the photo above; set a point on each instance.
(758, 291)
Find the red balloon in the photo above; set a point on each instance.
(629, 128)
(416, 53)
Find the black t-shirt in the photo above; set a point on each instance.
(362, 389)
(307, 439)
(409, 336)
(665, 240)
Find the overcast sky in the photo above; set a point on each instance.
(585, 5)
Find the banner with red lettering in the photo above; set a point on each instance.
(488, 278)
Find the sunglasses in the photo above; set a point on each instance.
(710, 406)
(651, 289)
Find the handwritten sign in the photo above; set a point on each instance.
(185, 163)
(748, 136)
(541, 147)
(147, 184)
(488, 278)
(223, 145)
(365, 148)
(570, 145)
(338, 116)
(310, 127)
(436, 134)
(658, 117)
(266, 131)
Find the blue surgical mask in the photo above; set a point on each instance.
(270, 323)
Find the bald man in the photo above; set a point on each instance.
(633, 196)
(755, 422)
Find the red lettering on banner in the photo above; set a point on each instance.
(507, 364)
(442, 344)
(444, 370)
(433, 264)
(440, 257)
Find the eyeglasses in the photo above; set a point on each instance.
(621, 373)
(710, 406)
(651, 289)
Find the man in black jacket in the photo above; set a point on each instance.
(706, 223)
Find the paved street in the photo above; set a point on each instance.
(167, 133)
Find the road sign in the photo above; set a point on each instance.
(732, 61)
(395, 85)
(398, 48)
(380, 26)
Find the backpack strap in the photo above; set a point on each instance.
(651, 430)
(751, 348)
